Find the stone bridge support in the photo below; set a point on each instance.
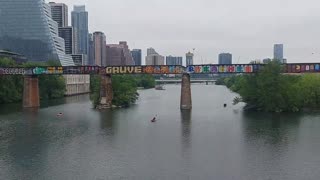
(31, 98)
(106, 92)
(185, 101)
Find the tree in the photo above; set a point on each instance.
(145, 81)
(124, 90)
(268, 90)
(11, 89)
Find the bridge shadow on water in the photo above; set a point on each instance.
(107, 119)
(186, 134)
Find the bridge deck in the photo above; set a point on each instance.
(194, 69)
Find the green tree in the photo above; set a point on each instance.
(95, 81)
(11, 89)
(309, 88)
(124, 90)
(145, 81)
(268, 90)
(50, 86)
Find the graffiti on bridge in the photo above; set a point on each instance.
(301, 68)
(216, 69)
(194, 69)
(12, 71)
(144, 70)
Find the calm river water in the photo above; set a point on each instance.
(211, 142)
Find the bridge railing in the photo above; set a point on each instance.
(163, 69)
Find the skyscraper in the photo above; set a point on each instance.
(36, 36)
(151, 51)
(79, 59)
(99, 42)
(278, 52)
(79, 20)
(137, 56)
(91, 50)
(68, 35)
(155, 59)
(119, 54)
(189, 59)
(225, 58)
(59, 12)
(170, 60)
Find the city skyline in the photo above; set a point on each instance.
(259, 31)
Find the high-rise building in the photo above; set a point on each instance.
(91, 50)
(266, 60)
(153, 58)
(79, 59)
(99, 42)
(119, 54)
(79, 20)
(19, 59)
(225, 58)
(278, 52)
(151, 51)
(170, 60)
(59, 12)
(189, 59)
(67, 33)
(36, 36)
(137, 56)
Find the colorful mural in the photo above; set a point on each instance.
(163, 69)
(216, 69)
(144, 70)
(302, 68)
(195, 69)
(124, 70)
(12, 71)
(47, 70)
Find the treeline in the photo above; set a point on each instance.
(11, 86)
(124, 88)
(271, 91)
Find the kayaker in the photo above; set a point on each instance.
(154, 119)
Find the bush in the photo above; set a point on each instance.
(270, 90)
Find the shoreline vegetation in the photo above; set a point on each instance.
(125, 88)
(271, 91)
(11, 87)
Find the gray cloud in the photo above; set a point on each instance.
(246, 28)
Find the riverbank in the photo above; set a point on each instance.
(271, 91)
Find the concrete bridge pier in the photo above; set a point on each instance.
(31, 98)
(185, 101)
(106, 92)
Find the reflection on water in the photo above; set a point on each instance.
(209, 142)
(274, 125)
(186, 128)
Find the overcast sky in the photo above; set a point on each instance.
(246, 28)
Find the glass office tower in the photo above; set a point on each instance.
(79, 21)
(28, 29)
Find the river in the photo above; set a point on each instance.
(210, 142)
